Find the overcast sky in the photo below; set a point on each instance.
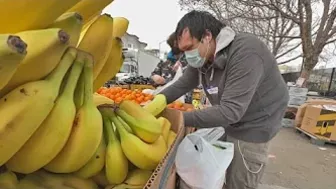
(154, 20)
(151, 20)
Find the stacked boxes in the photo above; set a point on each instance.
(297, 96)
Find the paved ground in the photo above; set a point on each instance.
(295, 163)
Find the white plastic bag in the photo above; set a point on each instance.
(178, 74)
(202, 160)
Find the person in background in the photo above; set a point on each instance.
(243, 83)
(166, 70)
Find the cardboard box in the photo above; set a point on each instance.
(297, 91)
(320, 121)
(164, 176)
(299, 115)
(122, 86)
(301, 110)
(141, 87)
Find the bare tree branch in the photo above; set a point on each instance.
(288, 51)
(290, 60)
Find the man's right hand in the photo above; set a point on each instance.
(158, 79)
(177, 65)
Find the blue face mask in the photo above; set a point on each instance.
(194, 58)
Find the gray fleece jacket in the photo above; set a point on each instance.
(244, 85)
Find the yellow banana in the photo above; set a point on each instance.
(120, 26)
(95, 164)
(98, 41)
(72, 24)
(157, 105)
(31, 181)
(12, 52)
(112, 65)
(137, 150)
(143, 124)
(24, 109)
(92, 19)
(127, 127)
(86, 132)
(59, 181)
(87, 25)
(78, 183)
(21, 15)
(116, 163)
(165, 127)
(171, 138)
(51, 136)
(88, 8)
(115, 59)
(79, 92)
(45, 49)
(123, 186)
(101, 179)
(8, 180)
(101, 100)
(138, 177)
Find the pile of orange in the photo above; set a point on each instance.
(177, 105)
(118, 94)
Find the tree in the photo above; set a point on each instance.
(313, 19)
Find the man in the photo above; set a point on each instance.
(165, 71)
(242, 81)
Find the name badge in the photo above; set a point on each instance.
(212, 90)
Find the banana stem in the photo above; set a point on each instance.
(126, 126)
(75, 73)
(125, 116)
(109, 133)
(121, 129)
(79, 91)
(59, 72)
(88, 78)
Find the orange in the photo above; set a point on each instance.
(176, 106)
(178, 103)
(147, 98)
(170, 106)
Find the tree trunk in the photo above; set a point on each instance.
(305, 73)
(308, 65)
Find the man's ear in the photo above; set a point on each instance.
(207, 35)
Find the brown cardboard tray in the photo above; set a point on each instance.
(164, 176)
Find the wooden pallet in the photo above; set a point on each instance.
(319, 141)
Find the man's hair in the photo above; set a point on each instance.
(198, 22)
(171, 41)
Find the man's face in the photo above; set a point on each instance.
(206, 46)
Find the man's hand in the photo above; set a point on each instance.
(158, 79)
(177, 65)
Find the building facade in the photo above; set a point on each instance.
(132, 42)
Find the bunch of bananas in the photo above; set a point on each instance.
(55, 131)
